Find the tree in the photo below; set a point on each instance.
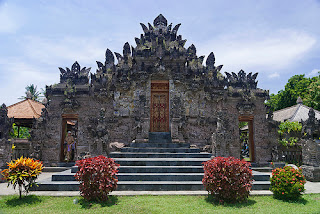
(297, 86)
(313, 97)
(34, 94)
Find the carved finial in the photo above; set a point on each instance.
(160, 20)
(192, 51)
(150, 26)
(3, 106)
(126, 49)
(311, 114)
(175, 29)
(144, 28)
(28, 95)
(119, 57)
(75, 67)
(299, 100)
(210, 60)
(44, 101)
(109, 57)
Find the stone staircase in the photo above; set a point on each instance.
(158, 165)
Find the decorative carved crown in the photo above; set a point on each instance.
(76, 75)
(242, 80)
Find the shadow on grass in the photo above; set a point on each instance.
(112, 200)
(212, 200)
(29, 199)
(299, 200)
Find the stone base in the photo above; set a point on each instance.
(278, 165)
(140, 140)
(312, 173)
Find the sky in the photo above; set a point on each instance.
(277, 39)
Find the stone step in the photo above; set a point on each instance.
(139, 186)
(65, 164)
(135, 176)
(156, 169)
(159, 145)
(159, 155)
(160, 150)
(260, 176)
(160, 161)
(160, 137)
(55, 169)
(262, 169)
(141, 177)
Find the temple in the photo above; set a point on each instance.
(156, 89)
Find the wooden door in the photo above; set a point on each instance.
(159, 111)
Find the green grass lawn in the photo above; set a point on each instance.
(309, 203)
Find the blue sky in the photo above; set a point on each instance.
(278, 39)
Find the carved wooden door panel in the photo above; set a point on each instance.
(159, 121)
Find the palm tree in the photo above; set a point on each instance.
(31, 93)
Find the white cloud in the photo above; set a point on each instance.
(260, 51)
(54, 51)
(10, 18)
(274, 75)
(20, 74)
(314, 72)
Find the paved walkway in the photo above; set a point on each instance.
(311, 187)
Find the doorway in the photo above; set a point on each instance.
(69, 127)
(246, 138)
(159, 109)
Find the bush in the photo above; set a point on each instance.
(287, 183)
(22, 172)
(229, 179)
(97, 177)
(286, 129)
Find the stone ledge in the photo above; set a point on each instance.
(312, 173)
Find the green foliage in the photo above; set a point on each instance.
(308, 203)
(35, 95)
(297, 86)
(312, 99)
(285, 128)
(287, 183)
(23, 132)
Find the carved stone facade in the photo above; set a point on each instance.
(203, 107)
(5, 128)
(311, 147)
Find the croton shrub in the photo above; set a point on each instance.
(227, 178)
(287, 183)
(22, 172)
(97, 177)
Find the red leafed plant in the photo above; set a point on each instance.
(228, 179)
(97, 177)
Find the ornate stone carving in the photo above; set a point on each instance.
(242, 80)
(70, 101)
(76, 75)
(311, 126)
(5, 122)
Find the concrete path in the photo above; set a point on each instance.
(311, 187)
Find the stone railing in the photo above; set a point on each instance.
(291, 154)
(22, 148)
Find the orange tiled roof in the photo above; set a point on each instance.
(26, 109)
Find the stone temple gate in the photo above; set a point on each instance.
(156, 88)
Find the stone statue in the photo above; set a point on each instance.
(70, 147)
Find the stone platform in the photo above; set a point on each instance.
(153, 167)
